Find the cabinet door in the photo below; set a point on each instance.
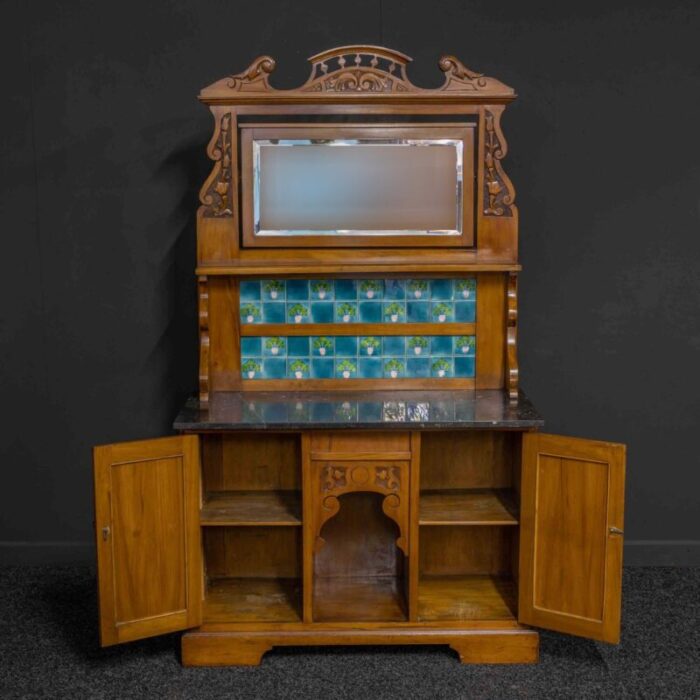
(572, 504)
(147, 499)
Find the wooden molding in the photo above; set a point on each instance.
(352, 72)
(203, 299)
(512, 371)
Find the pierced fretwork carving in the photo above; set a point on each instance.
(357, 70)
(512, 372)
(498, 190)
(334, 480)
(216, 193)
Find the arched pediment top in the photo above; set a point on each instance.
(358, 73)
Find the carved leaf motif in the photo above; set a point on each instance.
(216, 196)
(497, 195)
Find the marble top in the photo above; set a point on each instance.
(415, 410)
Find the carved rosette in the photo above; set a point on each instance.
(389, 480)
(203, 304)
(216, 195)
(512, 371)
(498, 190)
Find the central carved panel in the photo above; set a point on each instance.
(388, 478)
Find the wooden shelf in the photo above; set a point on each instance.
(253, 600)
(251, 508)
(362, 599)
(468, 507)
(466, 598)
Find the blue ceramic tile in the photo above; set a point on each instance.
(322, 289)
(345, 368)
(346, 346)
(417, 345)
(298, 346)
(441, 290)
(370, 312)
(442, 308)
(250, 291)
(274, 347)
(272, 290)
(394, 289)
(441, 367)
(371, 289)
(418, 311)
(297, 290)
(274, 368)
(251, 346)
(394, 368)
(345, 312)
(393, 346)
(370, 346)
(250, 313)
(418, 367)
(370, 367)
(465, 311)
(346, 411)
(394, 312)
(273, 312)
(251, 368)
(298, 368)
(441, 345)
(322, 368)
(322, 346)
(459, 344)
(418, 289)
(464, 366)
(345, 290)
(297, 312)
(465, 288)
(322, 311)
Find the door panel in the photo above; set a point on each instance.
(571, 525)
(147, 501)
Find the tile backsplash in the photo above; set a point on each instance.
(358, 301)
(358, 356)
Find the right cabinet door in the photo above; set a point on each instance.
(571, 532)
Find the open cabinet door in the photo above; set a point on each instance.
(149, 560)
(572, 504)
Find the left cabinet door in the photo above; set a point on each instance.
(149, 557)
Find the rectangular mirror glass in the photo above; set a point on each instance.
(358, 187)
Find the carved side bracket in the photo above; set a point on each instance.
(203, 304)
(359, 69)
(498, 189)
(390, 480)
(216, 195)
(512, 372)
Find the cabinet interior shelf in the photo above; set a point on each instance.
(466, 597)
(253, 600)
(251, 508)
(468, 507)
(359, 599)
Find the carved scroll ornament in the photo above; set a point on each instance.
(216, 194)
(357, 70)
(498, 190)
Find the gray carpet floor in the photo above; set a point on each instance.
(49, 649)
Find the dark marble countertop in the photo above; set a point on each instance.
(417, 410)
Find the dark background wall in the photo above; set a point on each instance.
(102, 145)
